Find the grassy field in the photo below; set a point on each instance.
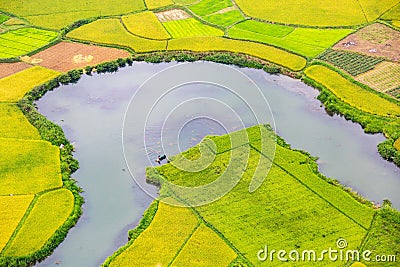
(314, 214)
(55, 15)
(392, 14)
(3, 18)
(161, 243)
(384, 77)
(351, 93)
(13, 124)
(261, 51)
(14, 87)
(205, 248)
(152, 4)
(339, 13)
(207, 7)
(22, 41)
(146, 25)
(28, 167)
(111, 31)
(50, 211)
(224, 19)
(354, 63)
(305, 41)
(189, 28)
(10, 217)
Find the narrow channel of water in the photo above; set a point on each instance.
(91, 114)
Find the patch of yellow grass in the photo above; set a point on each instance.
(13, 124)
(351, 93)
(12, 209)
(152, 4)
(205, 248)
(28, 166)
(50, 212)
(14, 87)
(159, 243)
(261, 51)
(111, 31)
(145, 24)
(397, 144)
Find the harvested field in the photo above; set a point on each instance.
(67, 56)
(374, 40)
(7, 69)
(384, 77)
(173, 14)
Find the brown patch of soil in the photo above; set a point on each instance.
(66, 56)
(173, 14)
(374, 40)
(7, 69)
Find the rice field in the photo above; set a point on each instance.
(111, 31)
(56, 15)
(205, 248)
(50, 211)
(13, 124)
(145, 25)
(224, 19)
(207, 7)
(152, 4)
(268, 53)
(11, 217)
(313, 13)
(161, 243)
(14, 87)
(384, 77)
(304, 41)
(28, 167)
(23, 41)
(190, 28)
(352, 94)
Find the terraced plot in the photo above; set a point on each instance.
(10, 217)
(14, 87)
(23, 41)
(146, 25)
(384, 77)
(225, 19)
(152, 4)
(304, 41)
(13, 124)
(190, 28)
(111, 31)
(28, 167)
(50, 211)
(351, 93)
(6, 69)
(207, 7)
(272, 54)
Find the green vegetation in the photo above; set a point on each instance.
(111, 31)
(351, 93)
(207, 7)
(392, 14)
(225, 19)
(14, 87)
(189, 28)
(152, 4)
(146, 25)
(305, 41)
(23, 41)
(160, 243)
(28, 166)
(10, 218)
(55, 15)
(354, 63)
(384, 77)
(41, 223)
(313, 13)
(13, 124)
(205, 248)
(3, 18)
(272, 54)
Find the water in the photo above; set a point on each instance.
(92, 111)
